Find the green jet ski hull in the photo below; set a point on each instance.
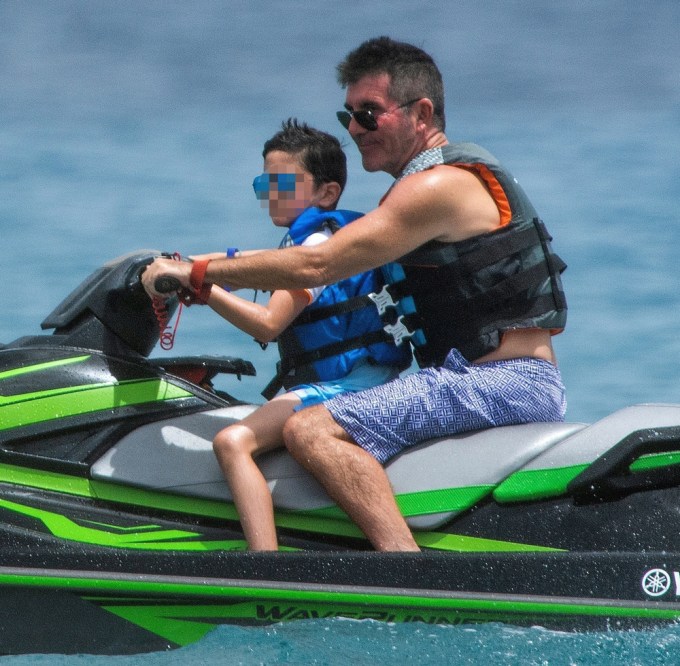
(118, 534)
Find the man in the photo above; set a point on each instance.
(477, 290)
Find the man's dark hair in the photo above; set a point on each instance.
(319, 153)
(413, 73)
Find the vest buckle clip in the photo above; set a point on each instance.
(398, 331)
(383, 300)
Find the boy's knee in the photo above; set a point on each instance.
(226, 442)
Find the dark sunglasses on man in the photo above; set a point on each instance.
(367, 118)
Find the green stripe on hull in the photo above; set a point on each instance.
(39, 367)
(460, 543)
(530, 485)
(655, 460)
(196, 608)
(441, 500)
(208, 508)
(144, 537)
(425, 502)
(113, 492)
(29, 408)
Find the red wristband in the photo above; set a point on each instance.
(204, 293)
(197, 276)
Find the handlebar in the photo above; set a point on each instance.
(166, 284)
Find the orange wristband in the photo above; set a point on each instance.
(197, 276)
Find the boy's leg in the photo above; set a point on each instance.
(235, 448)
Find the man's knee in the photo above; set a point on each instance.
(310, 428)
(294, 430)
(304, 428)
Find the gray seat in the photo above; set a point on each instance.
(433, 481)
(548, 474)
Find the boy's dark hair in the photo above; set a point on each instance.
(319, 153)
(413, 73)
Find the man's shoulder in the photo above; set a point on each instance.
(439, 179)
(449, 200)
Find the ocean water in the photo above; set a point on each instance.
(140, 124)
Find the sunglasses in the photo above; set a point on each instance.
(367, 118)
(285, 182)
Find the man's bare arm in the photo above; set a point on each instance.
(418, 209)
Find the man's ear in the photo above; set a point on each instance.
(330, 193)
(425, 110)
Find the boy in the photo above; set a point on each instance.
(304, 175)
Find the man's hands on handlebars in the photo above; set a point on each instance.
(162, 277)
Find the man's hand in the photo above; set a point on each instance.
(161, 267)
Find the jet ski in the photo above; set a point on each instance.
(118, 534)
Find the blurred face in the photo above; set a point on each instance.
(285, 188)
(394, 142)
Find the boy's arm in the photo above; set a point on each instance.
(209, 255)
(263, 322)
(222, 255)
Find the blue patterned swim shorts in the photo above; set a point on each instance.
(457, 397)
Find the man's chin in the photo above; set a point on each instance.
(369, 165)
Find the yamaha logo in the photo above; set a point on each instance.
(656, 582)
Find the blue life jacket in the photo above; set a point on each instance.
(340, 328)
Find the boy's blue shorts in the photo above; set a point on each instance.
(364, 375)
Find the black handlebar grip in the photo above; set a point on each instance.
(166, 284)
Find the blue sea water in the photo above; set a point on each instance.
(139, 124)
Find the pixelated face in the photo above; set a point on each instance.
(285, 187)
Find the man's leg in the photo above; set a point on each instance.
(352, 477)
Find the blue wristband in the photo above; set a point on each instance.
(231, 253)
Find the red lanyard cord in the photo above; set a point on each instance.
(160, 308)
